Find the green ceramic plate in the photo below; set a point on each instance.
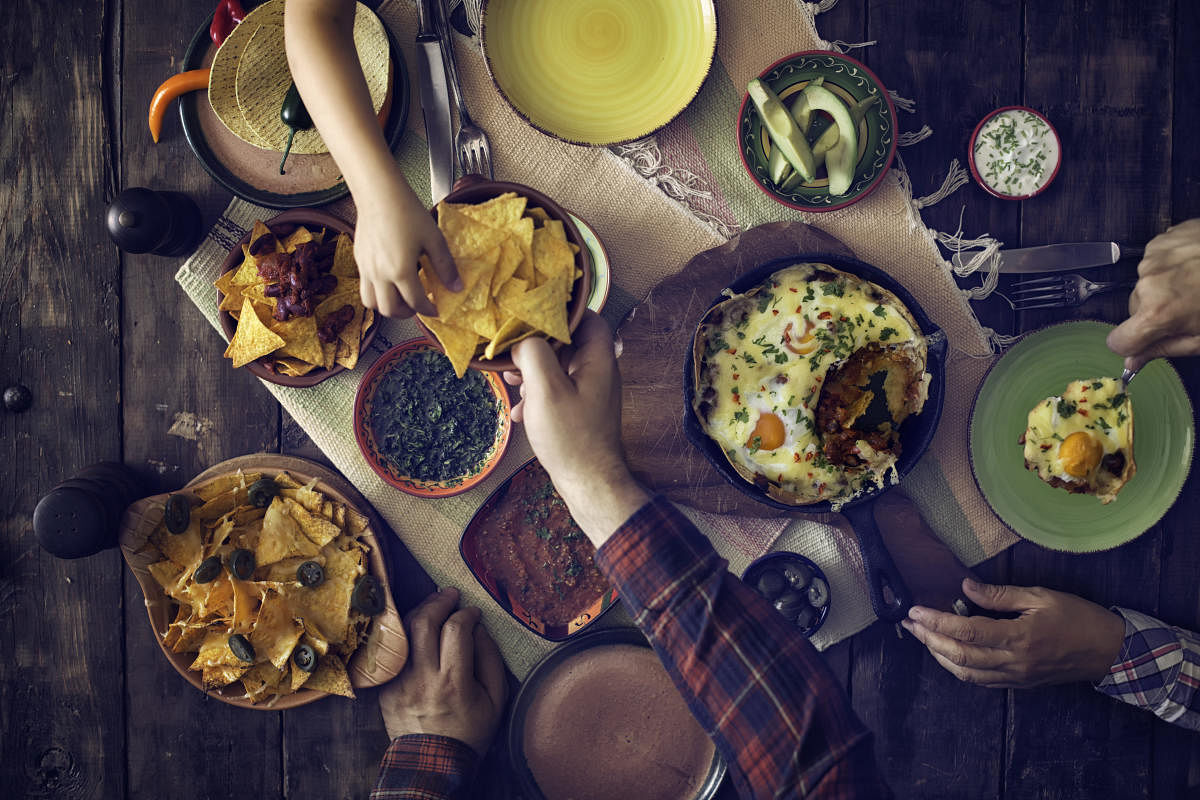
(1039, 366)
(851, 81)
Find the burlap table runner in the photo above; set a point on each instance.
(650, 235)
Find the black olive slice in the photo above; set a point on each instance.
(310, 574)
(367, 596)
(178, 513)
(305, 658)
(262, 491)
(241, 647)
(241, 564)
(208, 570)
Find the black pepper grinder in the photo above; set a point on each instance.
(82, 515)
(145, 221)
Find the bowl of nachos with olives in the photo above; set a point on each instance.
(266, 588)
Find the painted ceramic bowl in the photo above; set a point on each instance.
(1039, 366)
(527, 511)
(602, 72)
(369, 445)
(1014, 153)
(286, 221)
(476, 189)
(794, 585)
(853, 83)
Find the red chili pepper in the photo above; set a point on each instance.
(731, 350)
(226, 17)
(824, 315)
(1083, 412)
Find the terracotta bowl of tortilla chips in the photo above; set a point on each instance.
(537, 264)
(273, 369)
(376, 647)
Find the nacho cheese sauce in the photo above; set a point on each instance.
(608, 723)
(1016, 153)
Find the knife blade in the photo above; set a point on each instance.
(435, 101)
(1061, 257)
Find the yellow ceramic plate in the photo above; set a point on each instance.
(599, 72)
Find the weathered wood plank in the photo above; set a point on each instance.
(1102, 87)
(1176, 751)
(937, 737)
(175, 378)
(61, 677)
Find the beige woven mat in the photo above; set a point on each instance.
(649, 235)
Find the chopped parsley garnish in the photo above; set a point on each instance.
(741, 415)
(1118, 400)
(887, 333)
(755, 444)
(429, 424)
(749, 359)
(836, 288)
(880, 311)
(1065, 408)
(764, 301)
(808, 295)
(1097, 384)
(1104, 426)
(1121, 417)
(781, 358)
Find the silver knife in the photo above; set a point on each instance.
(435, 100)
(1060, 257)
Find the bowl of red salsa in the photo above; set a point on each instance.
(533, 559)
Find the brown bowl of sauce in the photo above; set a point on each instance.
(533, 559)
(599, 718)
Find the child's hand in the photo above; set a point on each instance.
(393, 230)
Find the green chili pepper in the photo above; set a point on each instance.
(295, 116)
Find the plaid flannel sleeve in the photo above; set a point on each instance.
(757, 686)
(1158, 670)
(425, 767)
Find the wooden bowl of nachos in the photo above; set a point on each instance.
(273, 632)
(308, 340)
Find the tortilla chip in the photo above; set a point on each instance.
(499, 212)
(466, 236)
(252, 339)
(459, 344)
(344, 265)
(281, 536)
(296, 238)
(260, 680)
(544, 308)
(330, 676)
(276, 631)
(299, 335)
(320, 530)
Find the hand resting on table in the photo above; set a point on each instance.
(1057, 637)
(454, 683)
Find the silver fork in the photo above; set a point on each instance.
(470, 143)
(1058, 291)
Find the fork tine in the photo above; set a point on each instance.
(1033, 294)
(485, 164)
(1026, 306)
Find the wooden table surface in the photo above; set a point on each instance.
(117, 357)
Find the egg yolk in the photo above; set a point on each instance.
(769, 432)
(1080, 453)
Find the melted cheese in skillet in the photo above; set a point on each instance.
(761, 373)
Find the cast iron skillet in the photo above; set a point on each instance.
(890, 597)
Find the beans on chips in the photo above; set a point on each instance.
(296, 301)
(517, 269)
(273, 631)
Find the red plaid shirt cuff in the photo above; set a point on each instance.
(425, 767)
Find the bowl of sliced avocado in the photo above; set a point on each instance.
(817, 131)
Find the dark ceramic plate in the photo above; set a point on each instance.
(889, 596)
(849, 80)
(243, 168)
(468, 546)
(534, 683)
(364, 400)
(309, 218)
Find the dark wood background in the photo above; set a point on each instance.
(113, 351)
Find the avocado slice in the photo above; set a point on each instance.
(843, 157)
(781, 127)
(778, 169)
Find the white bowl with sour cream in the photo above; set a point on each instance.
(1015, 153)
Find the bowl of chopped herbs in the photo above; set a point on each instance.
(426, 431)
